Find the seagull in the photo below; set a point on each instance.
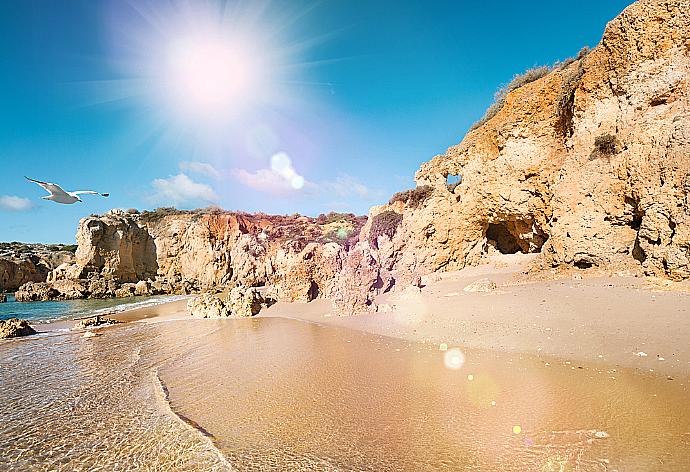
(58, 195)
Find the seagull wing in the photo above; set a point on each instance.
(89, 192)
(54, 189)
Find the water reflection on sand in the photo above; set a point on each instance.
(281, 394)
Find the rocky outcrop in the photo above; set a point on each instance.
(171, 251)
(14, 328)
(21, 263)
(481, 285)
(59, 290)
(238, 302)
(587, 165)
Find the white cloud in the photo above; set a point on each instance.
(281, 178)
(179, 189)
(203, 168)
(13, 203)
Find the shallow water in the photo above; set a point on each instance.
(278, 394)
(42, 312)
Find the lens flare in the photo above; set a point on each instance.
(281, 165)
(454, 359)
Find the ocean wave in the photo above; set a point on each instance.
(52, 311)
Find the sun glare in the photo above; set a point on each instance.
(216, 79)
(211, 75)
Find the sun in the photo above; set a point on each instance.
(226, 80)
(211, 75)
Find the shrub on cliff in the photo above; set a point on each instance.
(333, 217)
(419, 194)
(413, 197)
(525, 78)
(605, 145)
(518, 81)
(400, 197)
(385, 223)
(159, 213)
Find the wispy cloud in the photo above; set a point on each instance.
(346, 186)
(14, 203)
(180, 189)
(202, 168)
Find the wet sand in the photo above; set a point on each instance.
(278, 394)
(163, 312)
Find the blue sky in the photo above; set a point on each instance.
(289, 107)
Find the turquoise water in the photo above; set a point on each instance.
(43, 312)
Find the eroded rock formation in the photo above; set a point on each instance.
(238, 302)
(22, 263)
(587, 165)
(14, 328)
(170, 251)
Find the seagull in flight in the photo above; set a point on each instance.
(58, 195)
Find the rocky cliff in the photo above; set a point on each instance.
(21, 263)
(589, 165)
(586, 163)
(175, 251)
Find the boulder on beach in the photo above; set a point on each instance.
(14, 328)
(143, 287)
(481, 285)
(94, 321)
(60, 290)
(126, 290)
(239, 302)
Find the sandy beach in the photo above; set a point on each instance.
(604, 321)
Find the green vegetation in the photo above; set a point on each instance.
(419, 194)
(413, 197)
(334, 217)
(400, 197)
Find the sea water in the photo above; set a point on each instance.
(43, 312)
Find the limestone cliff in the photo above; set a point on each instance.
(192, 251)
(589, 165)
(21, 263)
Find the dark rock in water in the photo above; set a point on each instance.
(95, 321)
(14, 328)
(3, 298)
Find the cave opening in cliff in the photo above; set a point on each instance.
(515, 236)
(313, 292)
(502, 239)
